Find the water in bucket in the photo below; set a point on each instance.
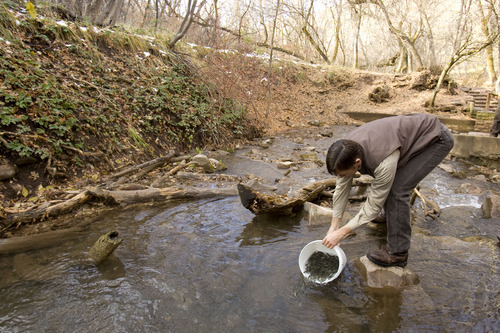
(316, 246)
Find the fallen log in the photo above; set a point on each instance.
(260, 203)
(169, 193)
(117, 197)
(147, 166)
(104, 246)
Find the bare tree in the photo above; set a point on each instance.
(316, 43)
(485, 23)
(101, 12)
(358, 13)
(407, 39)
(338, 20)
(186, 23)
(464, 44)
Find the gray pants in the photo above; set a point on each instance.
(397, 205)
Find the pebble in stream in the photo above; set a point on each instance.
(322, 266)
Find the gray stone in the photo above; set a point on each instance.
(284, 165)
(379, 277)
(254, 152)
(218, 165)
(7, 171)
(326, 132)
(265, 143)
(255, 184)
(316, 122)
(203, 162)
(317, 215)
(491, 206)
(468, 188)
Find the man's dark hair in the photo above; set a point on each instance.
(342, 155)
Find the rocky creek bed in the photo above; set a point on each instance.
(210, 262)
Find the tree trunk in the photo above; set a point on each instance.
(356, 43)
(145, 14)
(410, 45)
(114, 17)
(337, 33)
(102, 19)
(444, 72)
(93, 10)
(403, 59)
(186, 23)
(490, 65)
(271, 61)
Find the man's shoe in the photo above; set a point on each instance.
(383, 258)
(380, 219)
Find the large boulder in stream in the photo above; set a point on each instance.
(317, 215)
(379, 277)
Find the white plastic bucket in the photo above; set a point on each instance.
(314, 246)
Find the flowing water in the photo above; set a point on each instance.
(212, 266)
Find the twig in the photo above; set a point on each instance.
(181, 165)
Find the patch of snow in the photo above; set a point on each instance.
(62, 23)
(6, 41)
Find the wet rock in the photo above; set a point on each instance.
(265, 143)
(495, 178)
(316, 123)
(326, 132)
(257, 185)
(491, 206)
(308, 157)
(481, 178)
(218, 165)
(379, 277)
(7, 171)
(446, 167)
(468, 188)
(452, 171)
(317, 215)
(254, 152)
(284, 164)
(204, 162)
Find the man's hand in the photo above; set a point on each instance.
(333, 237)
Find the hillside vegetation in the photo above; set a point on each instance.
(75, 98)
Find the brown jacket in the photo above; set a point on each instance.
(410, 133)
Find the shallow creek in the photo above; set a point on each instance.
(212, 266)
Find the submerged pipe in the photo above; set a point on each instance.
(104, 246)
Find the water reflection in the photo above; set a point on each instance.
(212, 266)
(112, 268)
(267, 229)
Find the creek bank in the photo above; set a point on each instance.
(259, 166)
